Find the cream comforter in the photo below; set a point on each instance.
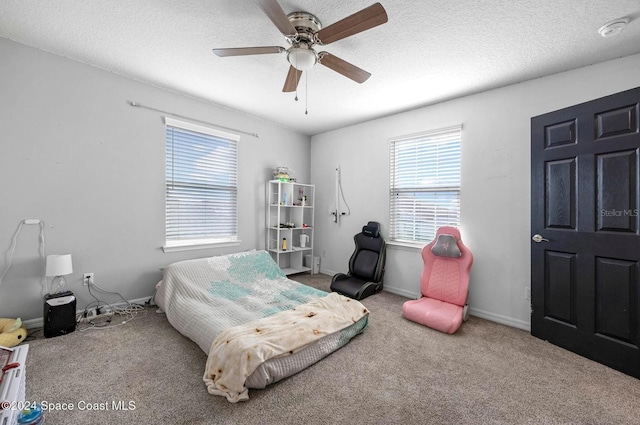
(238, 351)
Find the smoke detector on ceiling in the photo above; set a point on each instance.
(613, 27)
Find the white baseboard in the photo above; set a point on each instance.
(401, 292)
(327, 272)
(38, 322)
(498, 318)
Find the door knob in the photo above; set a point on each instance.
(538, 238)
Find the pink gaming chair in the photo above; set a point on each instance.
(444, 283)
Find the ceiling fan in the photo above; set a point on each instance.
(303, 31)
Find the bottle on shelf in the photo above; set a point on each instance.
(284, 244)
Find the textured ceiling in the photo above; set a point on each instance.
(429, 51)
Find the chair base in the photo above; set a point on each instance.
(435, 314)
(352, 287)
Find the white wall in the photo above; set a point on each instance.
(495, 192)
(74, 154)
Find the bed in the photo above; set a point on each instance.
(256, 325)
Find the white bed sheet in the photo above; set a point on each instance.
(206, 296)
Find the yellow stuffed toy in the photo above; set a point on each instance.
(12, 332)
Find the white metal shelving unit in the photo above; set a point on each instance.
(290, 216)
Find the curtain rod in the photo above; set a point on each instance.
(138, 105)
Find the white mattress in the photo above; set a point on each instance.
(203, 297)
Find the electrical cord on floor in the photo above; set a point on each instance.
(95, 325)
(84, 321)
(31, 336)
(130, 309)
(129, 312)
(113, 292)
(98, 307)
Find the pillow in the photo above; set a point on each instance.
(446, 246)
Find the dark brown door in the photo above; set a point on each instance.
(584, 221)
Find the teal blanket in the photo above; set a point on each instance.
(203, 297)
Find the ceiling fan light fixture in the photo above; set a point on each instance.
(301, 58)
(303, 31)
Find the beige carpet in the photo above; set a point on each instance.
(396, 372)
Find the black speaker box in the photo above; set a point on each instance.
(59, 314)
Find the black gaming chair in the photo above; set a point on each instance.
(366, 265)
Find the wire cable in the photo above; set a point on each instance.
(128, 313)
(12, 249)
(342, 191)
(111, 292)
(43, 280)
(111, 323)
(94, 297)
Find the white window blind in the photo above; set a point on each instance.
(425, 185)
(201, 184)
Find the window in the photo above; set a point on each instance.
(201, 185)
(425, 185)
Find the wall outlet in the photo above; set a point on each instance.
(527, 292)
(87, 279)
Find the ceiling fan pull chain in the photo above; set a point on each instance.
(297, 80)
(306, 89)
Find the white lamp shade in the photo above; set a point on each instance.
(59, 265)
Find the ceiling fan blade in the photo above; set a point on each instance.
(343, 67)
(274, 11)
(293, 78)
(367, 18)
(243, 51)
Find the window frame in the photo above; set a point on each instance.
(399, 237)
(172, 245)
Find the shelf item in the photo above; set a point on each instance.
(289, 222)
